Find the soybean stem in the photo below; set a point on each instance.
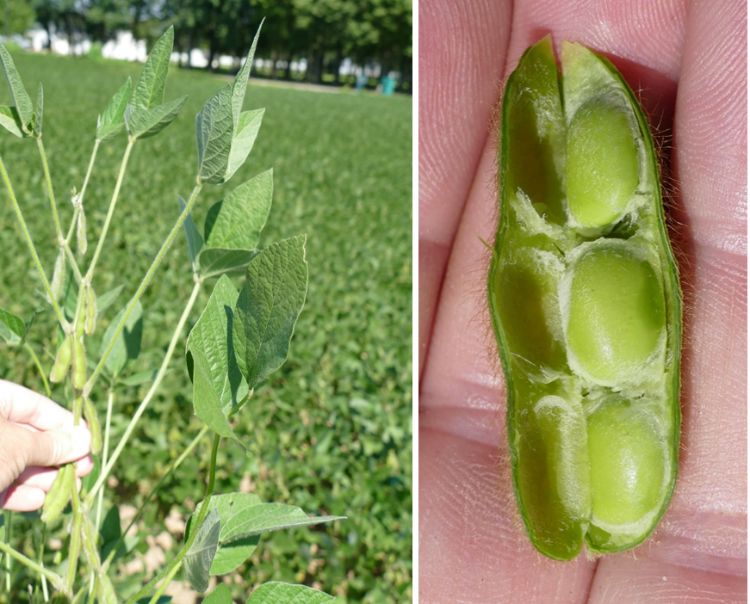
(30, 244)
(105, 455)
(111, 209)
(169, 573)
(149, 395)
(45, 590)
(40, 370)
(142, 288)
(56, 580)
(50, 189)
(7, 536)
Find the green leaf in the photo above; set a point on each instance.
(244, 518)
(18, 93)
(12, 328)
(143, 123)
(128, 345)
(268, 307)
(218, 386)
(149, 91)
(275, 592)
(10, 121)
(243, 140)
(225, 134)
(112, 119)
(239, 85)
(106, 300)
(136, 379)
(110, 535)
(198, 559)
(220, 262)
(236, 222)
(39, 113)
(194, 239)
(214, 129)
(221, 595)
(233, 226)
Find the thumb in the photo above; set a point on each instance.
(55, 447)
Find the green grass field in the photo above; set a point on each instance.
(331, 432)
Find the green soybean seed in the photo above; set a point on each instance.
(59, 494)
(585, 301)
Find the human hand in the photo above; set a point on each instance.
(686, 64)
(36, 435)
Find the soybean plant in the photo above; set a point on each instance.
(240, 337)
(585, 300)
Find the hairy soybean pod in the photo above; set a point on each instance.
(89, 311)
(95, 427)
(585, 301)
(62, 361)
(59, 494)
(79, 364)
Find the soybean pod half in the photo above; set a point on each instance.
(585, 300)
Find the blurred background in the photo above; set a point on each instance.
(356, 43)
(331, 431)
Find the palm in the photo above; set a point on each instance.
(688, 63)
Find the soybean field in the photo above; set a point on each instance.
(330, 432)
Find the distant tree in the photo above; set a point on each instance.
(16, 17)
(103, 18)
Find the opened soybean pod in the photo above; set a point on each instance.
(585, 300)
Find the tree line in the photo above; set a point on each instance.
(323, 33)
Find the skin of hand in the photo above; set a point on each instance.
(687, 63)
(36, 436)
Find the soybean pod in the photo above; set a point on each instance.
(59, 494)
(585, 300)
(62, 362)
(94, 425)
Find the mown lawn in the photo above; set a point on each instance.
(331, 432)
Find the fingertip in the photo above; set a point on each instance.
(80, 443)
(84, 466)
(22, 498)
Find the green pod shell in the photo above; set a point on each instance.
(95, 427)
(89, 311)
(79, 364)
(59, 494)
(585, 300)
(62, 361)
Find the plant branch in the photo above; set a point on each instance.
(149, 395)
(42, 374)
(56, 580)
(30, 244)
(111, 209)
(50, 189)
(142, 288)
(105, 454)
